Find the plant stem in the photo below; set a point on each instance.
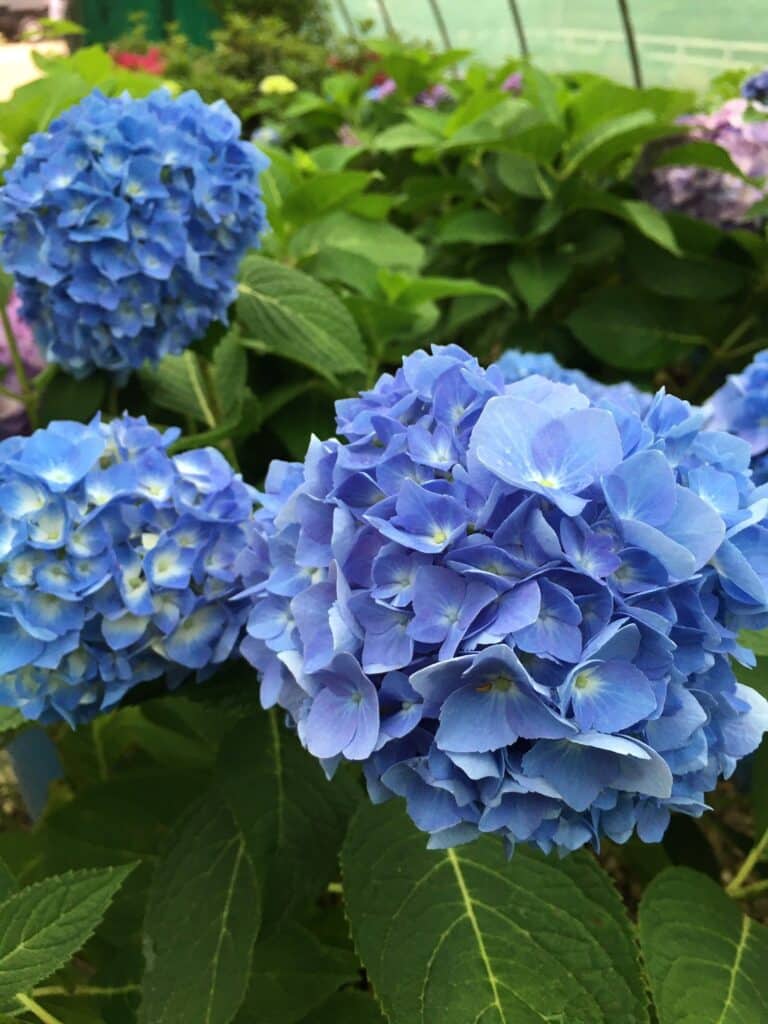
(746, 892)
(710, 364)
(736, 884)
(85, 990)
(40, 1012)
(28, 395)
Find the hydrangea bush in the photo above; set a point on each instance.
(516, 605)
(124, 224)
(716, 196)
(117, 564)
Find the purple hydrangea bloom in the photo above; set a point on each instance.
(124, 224)
(741, 407)
(433, 96)
(715, 196)
(116, 564)
(13, 418)
(380, 90)
(517, 365)
(515, 604)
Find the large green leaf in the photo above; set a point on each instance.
(705, 959)
(629, 330)
(43, 925)
(388, 245)
(480, 227)
(539, 276)
(603, 142)
(698, 153)
(289, 314)
(405, 136)
(454, 936)
(293, 973)
(348, 1007)
(292, 818)
(202, 919)
(322, 193)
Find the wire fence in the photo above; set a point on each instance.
(611, 42)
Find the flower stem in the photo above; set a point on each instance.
(736, 886)
(85, 990)
(40, 1012)
(28, 396)
(722, 351)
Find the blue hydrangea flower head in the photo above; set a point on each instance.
(515, 604)
(517, 365)
(741, 407)
(116, 564)
(756, 87)
(124, 224)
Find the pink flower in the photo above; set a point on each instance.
(513, 83)
(13, 417)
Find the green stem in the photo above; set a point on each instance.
(196, 378)
(736, 884)
(746, 892)
(40, 1012)
(7, 393)
(85, 990)
(28, 395)
(710, 365)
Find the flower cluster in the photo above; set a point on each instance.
(517, 365)
(13, 418)
(516, 606)
(756, 88)
(722, 199)
(116, 564)
(152, 62)
(124, 224)
(741, 407)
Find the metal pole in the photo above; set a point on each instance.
(634, 54)
(389, 25)
(346, 17)
(441, 26)
(517, 18)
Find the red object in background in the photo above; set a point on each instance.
(152, 61)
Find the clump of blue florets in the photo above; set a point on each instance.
(124, 224)
(116, 564)
(517, 606)
(755, 88)
(741, 407)
(517, 365)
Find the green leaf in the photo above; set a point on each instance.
(347, 1007)
(322, 193)
(465, 935)
(698, 153)
(381, 241)
(755, 639)
(350, 269)
(706, 961)
(285, 808)
(521, 174)
(229, 375)
(405, 136)
(10, 718)
(682, 277)
(43, 925)
(202, 920)
(293, 973)
(480, 227)
(539, 276)
(410, 292)
(175, 384)
(629, 330)
(291, 315)
(8, 883)
(642, 216)
(68, 399)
